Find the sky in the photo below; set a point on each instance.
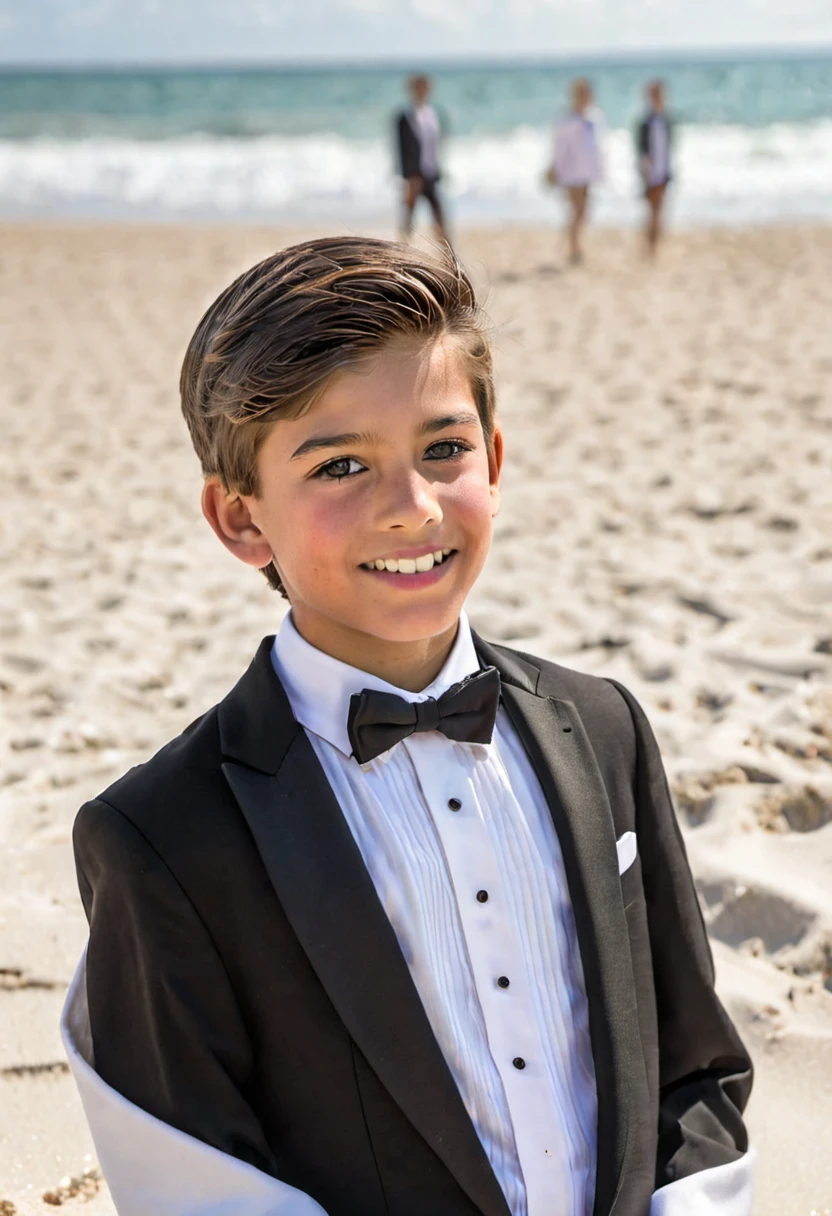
(218, 31)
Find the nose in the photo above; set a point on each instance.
(410, 504)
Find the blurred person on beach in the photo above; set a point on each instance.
(405, 925)
(418, 136)
(577, 163)
(654, 138)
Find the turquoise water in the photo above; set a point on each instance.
(754, 140)
(356, 103)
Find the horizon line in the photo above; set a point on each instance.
(301, 63)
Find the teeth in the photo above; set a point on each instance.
(409, 565)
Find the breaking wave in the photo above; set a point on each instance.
(725, 175)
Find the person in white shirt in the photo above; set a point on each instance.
(653, 147)
(404, 926)
(577, 162)
(418, 135)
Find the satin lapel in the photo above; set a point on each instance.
(328, 895)
(562, 755)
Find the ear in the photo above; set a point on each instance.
(495, 465)
(229, 516)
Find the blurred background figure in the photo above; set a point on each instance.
(653, 142)
(577, 163)
(419, 134)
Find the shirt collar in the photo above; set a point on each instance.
(319, 687)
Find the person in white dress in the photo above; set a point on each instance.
(577, 163)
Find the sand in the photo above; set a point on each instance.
(667, 520)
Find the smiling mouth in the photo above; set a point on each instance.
(410, 565)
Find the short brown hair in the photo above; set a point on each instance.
(270, 343)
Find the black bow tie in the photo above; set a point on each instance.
(465, 713)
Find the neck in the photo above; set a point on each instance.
(408, 665)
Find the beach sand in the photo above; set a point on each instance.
(667, 520)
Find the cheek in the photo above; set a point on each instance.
(313, 532)
(468, 501)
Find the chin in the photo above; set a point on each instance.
(412, 623)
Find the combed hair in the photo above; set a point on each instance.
(270, 343)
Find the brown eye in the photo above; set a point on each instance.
(342, 466)
(446, 449)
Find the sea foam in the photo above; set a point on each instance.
(724, 175)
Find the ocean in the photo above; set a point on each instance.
(753, 140)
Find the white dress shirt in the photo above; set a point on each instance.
(429, 863)
(658, 143)
(425, 122)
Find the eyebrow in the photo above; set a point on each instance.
(348, 439)
(466, 418)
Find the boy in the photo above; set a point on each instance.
(404, 926)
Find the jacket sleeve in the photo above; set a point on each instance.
(400, 148)
(643, 140)
(167, 1033)
(408, 147)
(705, 1073)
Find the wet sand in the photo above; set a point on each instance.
(667, 520)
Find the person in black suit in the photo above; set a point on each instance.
(418, 136)
(404, 925)
(654, 138)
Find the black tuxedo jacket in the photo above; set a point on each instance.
(245, 985)
(408, 146)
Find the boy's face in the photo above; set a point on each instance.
(389, 468)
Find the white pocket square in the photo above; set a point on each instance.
(625, 847)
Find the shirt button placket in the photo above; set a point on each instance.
(490, 934)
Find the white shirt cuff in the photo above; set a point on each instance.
(725, 1190)
(153, 1169)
